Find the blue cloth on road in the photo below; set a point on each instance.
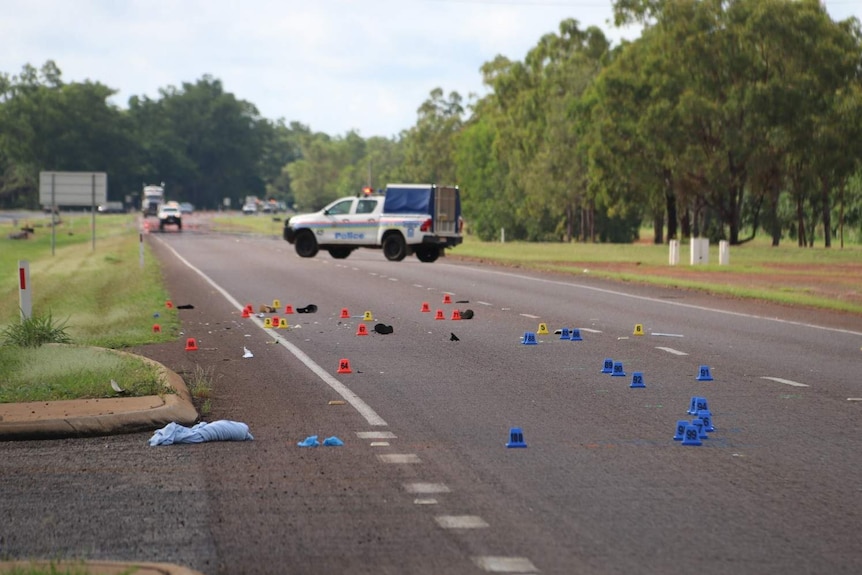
(310, 441)
(332, 441)
(222, 430)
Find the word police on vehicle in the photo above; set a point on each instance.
(421, 219)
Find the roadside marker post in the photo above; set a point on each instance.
(25, 299)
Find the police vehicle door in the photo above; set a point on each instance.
(354, 221)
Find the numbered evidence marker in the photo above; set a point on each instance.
(637, 380)
(691, 436)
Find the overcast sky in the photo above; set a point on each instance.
(333, 65)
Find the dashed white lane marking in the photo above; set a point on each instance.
(372, 273)
(375, 435)
(505, 564)
(588, 330)
(483, 303)
(785, 381)
(426, 488)
(424, 501)
(672, 350)
(854, 399)
(668, 334)
(399, 458)
(346, 393)
(379, 444)
(529, 315)
(393, 279)
(418, 285)
(461, 522)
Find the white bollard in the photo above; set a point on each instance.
(723, 253)
(699, 251)
(502, 235)
(674, 252)
(25, 300)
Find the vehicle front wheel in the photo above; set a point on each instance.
(306, 244)
(427, 254)
(394, 247)
(340, 253)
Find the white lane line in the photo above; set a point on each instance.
(505, 564)
(529, 315)
(461, 522)
(418, 285)
(660, 301)
(399, 458)
(379, 444)
(668, 334)
(375, 435)
(354, 400)
(372, 273)
(393, 279)
(672, 350)
(854, 399)
(483, 303)
(588, 330)
(785, 381)
(426, 488)
(424, 501)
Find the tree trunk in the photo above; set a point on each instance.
(672, 216)
(800, 223)
(658, 228)
(827, 212)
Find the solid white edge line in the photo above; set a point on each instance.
(661, 301)
(358, 404)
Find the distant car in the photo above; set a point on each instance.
(112, 208)
(249, 208)
(170, 215)
(186, 208)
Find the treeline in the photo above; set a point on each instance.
(725, 118)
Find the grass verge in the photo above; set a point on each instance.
(54, 372)
(108, 292)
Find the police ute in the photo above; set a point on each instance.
(421, 219)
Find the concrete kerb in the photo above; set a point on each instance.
(101, 567)
(105, 416)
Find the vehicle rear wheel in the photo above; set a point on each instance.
(306, 244)
(340, 253)
(394, 247)
(427, 254)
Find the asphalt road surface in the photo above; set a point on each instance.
(425, 482)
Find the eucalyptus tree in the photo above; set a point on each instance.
(429, 146)
(47, 124)
(202, 141)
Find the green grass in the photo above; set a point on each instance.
(110, 300)
(56, 372)
(100, 295)
(261, 224)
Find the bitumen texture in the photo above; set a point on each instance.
(93, 417)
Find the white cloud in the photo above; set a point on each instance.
(334, 65)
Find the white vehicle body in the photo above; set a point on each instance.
(411, 218)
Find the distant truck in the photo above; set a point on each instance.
(153, 199)
(422, 219)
